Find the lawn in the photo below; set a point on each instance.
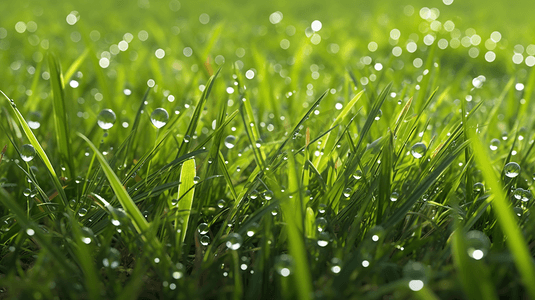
(273, 150)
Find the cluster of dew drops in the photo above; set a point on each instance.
(106, 118)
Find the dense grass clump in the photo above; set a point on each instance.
(166, 149)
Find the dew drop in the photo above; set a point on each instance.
(477, 244)
(268, 195)
(253, 195)
(230, 141)
(253, 229)
(234, 241)
(106, 118)
(517, 194)
(27, 152)
(417, 274)
(221, 203)
(82, 212)
(159, 117)
(418, 150)
(479, 187)
(494, 144)
(323, 239)
(357, 175)
(379, 115)
(347, 192)
(284, 265)
(322, 208)
(321, 224)
(526, 196)
(34, 120)
(202, 228)
(511, 169)
(205, 240)
(478, 81)
(394, 196)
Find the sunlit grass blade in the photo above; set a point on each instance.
(293, 211)
(61, 115)
(186, 192)
(192, 125)
(74, 67)
(40, 151)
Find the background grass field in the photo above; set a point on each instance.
(310, 149)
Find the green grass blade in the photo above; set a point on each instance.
(61, 115)
(40, 151)
(74, 67)
(186, 192)
(140, 223)
(293, 212)
(505, 216)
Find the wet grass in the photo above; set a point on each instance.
(195, 153)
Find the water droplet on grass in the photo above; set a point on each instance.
(82, 212)
(417, 274)
(418, 150)
(230, 141)
(322, 208)
(479, 187)
(478, 81)
(106, 118)
(517, 194)
(526, 195)
(323, 239)
(284, 265)
(494, 144)
(321, 224)
(34, 120)
(253, 229)
(477, 244)
(27, 152)
(268, 195)
(394, 196)
(253, 195)
(347, 192)
(357, 175)
(379, 115)
(234, 241)
(159, 117)
(205, 240)
(202, 228)
(511, 169)
(87, 235)
(26, 192)
(221, 203)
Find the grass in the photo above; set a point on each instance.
(366, 159)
